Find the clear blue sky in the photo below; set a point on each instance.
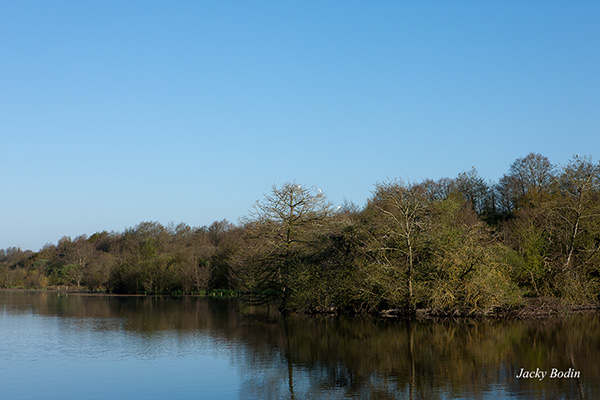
(118, 112)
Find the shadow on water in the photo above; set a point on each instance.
(327, 357)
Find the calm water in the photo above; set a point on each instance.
(90, 347)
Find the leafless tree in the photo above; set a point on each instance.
(280, 226)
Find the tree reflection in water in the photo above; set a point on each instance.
(327, 357)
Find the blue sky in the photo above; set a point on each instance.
(118, 112)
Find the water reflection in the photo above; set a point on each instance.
(305, 358)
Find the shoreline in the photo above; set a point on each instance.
(82, 292)
(70, 291)
(533, 308)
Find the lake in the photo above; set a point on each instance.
(69, 346)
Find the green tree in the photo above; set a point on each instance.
(466, 272)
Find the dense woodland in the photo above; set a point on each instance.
(460, 246)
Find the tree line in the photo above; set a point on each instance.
(461, 245)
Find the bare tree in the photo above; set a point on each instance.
(400, 215)
(528, 177)
(474, 190)
(280, 227)
(579, 209)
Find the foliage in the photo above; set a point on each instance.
(468, 271)
(451, 246)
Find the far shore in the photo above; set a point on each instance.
(70, 290)
(534, 308)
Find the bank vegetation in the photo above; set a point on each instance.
(455, 246)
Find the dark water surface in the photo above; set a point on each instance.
(58, 346)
